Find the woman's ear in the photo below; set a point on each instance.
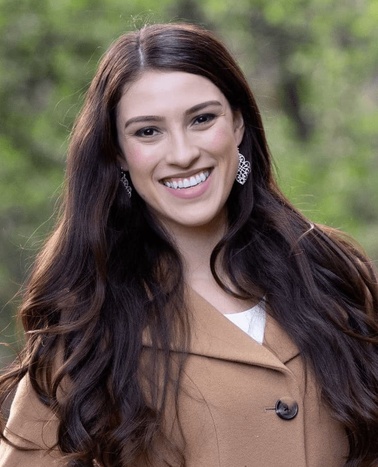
(122, 162)
(238, 126)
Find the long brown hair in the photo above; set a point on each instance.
(100, 280)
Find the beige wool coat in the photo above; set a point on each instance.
(243, 405)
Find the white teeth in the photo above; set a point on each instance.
(187, 182)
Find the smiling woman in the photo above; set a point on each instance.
(178, 136)
(183, 312)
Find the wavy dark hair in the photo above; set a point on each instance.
(100, 280)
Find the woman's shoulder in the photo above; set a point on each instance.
(31, 430)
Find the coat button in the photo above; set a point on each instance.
(286, 408)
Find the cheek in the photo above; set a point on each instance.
(135, 157)
(222, 140)
(131, 151)
(224, 146)
(141, 166)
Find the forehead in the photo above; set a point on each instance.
(163, 91)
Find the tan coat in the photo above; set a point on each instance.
(233, 387)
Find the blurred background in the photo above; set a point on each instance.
(312, 64)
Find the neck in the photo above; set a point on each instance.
(196, 244)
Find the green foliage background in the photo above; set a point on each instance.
(313, 65)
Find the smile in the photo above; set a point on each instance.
(182, 183)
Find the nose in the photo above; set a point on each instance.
(182, 150)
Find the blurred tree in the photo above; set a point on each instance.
(48, 54)
(313, 65)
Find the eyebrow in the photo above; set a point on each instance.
(155, 118)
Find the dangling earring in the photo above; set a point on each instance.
(125, 182)
(244, 170)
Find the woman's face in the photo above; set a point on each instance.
(179, 139)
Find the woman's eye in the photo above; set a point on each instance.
(204, 118)
(147, 132)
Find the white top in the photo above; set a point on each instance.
(251, 321)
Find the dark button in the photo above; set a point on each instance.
(286, 408)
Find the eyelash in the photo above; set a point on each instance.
(196, 121)
(142, 132)
(209, 117)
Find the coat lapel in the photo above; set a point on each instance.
(214, 336)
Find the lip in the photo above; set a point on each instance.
(182, 175)
(190, 192)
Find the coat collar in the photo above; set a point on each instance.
(214, 336)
